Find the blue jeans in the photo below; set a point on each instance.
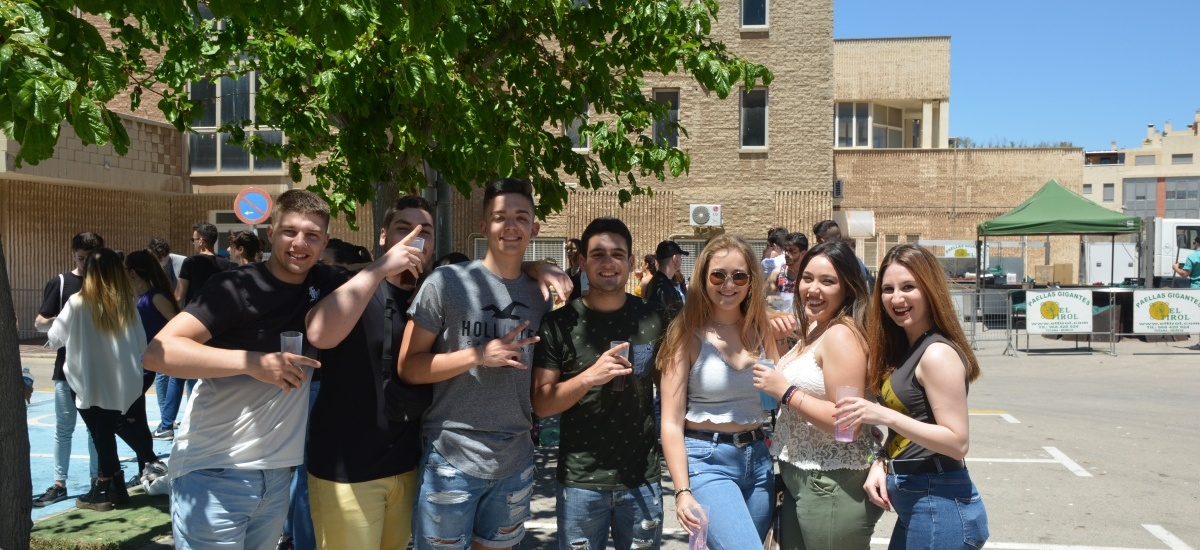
(65, 417)
(170, 397)
(454, 508)
(588, 515)
(941, 510)
(737, 484)
(299, 523)
(227, 508)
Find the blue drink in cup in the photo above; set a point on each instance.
(768, 403)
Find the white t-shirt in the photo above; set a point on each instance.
(104, 370)
(771, 264)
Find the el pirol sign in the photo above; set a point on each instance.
(252, 206)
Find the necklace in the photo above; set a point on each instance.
(719, 325)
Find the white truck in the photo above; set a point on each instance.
(1167, 241)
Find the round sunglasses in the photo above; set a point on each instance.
(717, 278)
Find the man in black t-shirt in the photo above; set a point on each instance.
(356, 445)
(198, 269)
(243, 430)
(608, 453)
(58, 289)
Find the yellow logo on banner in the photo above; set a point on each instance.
(1159, 311)
(1049, 310)
(961, 253)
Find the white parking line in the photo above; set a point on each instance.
(1171, 541)
(1070, 464)
(1033, 546)
(1004, 415)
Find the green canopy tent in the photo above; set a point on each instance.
(1056, 210)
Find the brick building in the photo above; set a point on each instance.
(848, 128)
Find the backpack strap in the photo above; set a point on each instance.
(389, 311)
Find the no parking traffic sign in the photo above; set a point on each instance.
(252, 206)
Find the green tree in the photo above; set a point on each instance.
(374, 91)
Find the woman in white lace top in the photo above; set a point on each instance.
(824, 503)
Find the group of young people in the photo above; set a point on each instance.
(430, 377)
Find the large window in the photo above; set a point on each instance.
(851, 124)
(1183, 197)
(578, 142)
(228, 100)
(754, 13)
(754, 118)
(888, 125)
(869, 125)
(1138, 196)
(664, 132)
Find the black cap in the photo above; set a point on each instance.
(666, 249)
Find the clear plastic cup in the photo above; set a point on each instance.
(291, 342)
(845, 434)
(618, 383)
(699, 539)
(768, 403)
(407, 278)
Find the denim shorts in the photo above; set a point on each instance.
(586, 517)
(229, 508)
(939, 510)
(454, 508)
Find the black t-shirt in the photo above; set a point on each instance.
(58, 289)
(247, 308)
(349, 438)
(198, 269)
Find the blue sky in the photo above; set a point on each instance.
(1088, 72)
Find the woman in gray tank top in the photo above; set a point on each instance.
(920, 362)
(712, 418)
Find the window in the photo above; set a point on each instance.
(664, 132)
(912, 238)
(754, 13)
(1087, 189)
(578, 142)
(1109, 192)
(1143, 160)
(888, 124)
(228, 100)
(227, 220)
(1182, 198)
(1181, 158)
(538, 249)
(852, 121)
(1138, 196)
(754, 118)
(869, 252)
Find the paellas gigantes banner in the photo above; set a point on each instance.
(1058, 311)
(1173, 311)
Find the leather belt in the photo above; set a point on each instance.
(928, 465)
(739, 439)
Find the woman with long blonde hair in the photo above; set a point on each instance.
(824, 503)
(712, 416)
(921, 367)
(105, 340)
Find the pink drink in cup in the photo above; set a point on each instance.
(845, 434)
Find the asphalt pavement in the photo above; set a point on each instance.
(1072, 449)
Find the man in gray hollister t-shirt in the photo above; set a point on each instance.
(471, 334)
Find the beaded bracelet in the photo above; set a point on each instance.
(787, 395)
(682, 491)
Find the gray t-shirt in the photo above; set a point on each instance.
(480, 419)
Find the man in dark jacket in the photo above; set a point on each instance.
(662, 289)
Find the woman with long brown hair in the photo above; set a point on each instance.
(921, 367)
(104, 340)
(712, 417)
(824, 504)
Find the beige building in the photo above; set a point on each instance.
(848, 128)
(1159, 179)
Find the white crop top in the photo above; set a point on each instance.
(799, 443)
(717, 392)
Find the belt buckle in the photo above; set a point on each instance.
(742, 439)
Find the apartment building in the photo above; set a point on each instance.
(1161, 178)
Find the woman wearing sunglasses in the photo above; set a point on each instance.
(921, 367)
(712, 417)
(824, 504)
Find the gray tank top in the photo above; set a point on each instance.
(717, 392)
(903, 393)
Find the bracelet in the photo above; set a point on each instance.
(687, 490)
(787, 395)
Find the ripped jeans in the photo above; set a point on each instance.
(633, 516)
(454, 508)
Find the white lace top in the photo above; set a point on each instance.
(798, 442)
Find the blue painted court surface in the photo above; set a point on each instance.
(40, 419)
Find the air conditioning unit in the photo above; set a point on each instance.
(704, 215)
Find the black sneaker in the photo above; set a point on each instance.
(118, 493)
(56, 493)
(164, 435)
(97, 498)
